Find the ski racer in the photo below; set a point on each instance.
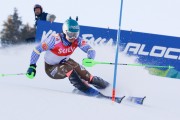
(59, 65)
(40, 15)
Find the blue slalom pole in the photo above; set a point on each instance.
(117, 51)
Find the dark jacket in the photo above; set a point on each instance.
(42, 16)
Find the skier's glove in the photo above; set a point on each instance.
(31, 72)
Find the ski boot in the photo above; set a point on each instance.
(99, 83)
(81, 85)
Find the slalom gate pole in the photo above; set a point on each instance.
(4, 75)
(117, 52)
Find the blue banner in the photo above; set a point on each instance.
(45, 28)
(149, 48)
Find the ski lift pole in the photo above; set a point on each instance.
(117, 51)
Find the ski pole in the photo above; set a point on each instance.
(90, 63)
(4, 75)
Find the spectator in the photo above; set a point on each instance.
(40, 15)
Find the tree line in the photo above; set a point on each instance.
(14, 32)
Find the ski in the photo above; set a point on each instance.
(136, 100)
(132, 99)
(117, 99)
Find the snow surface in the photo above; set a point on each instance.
(45, 99)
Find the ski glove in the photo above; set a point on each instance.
(31, 72)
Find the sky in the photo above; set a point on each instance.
(43, 98)
(153, 16)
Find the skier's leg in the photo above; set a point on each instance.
(61, 71)
(84, 74)
(56, 71)
(81, 71)
(80, 84)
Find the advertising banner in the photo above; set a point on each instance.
(149, 48)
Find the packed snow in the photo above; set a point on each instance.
(43, 98)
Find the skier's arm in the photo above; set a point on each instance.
(91, 53)
(44, 46)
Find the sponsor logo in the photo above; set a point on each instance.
(66, 50)
(155, 51)
(83, 42)
(89, 38)
(74, 27)
(44, 46)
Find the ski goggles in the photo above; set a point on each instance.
(72, 35)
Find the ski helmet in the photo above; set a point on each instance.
(38, 6)
(71, 28)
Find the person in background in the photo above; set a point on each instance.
(59, 65)
(40, 15)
